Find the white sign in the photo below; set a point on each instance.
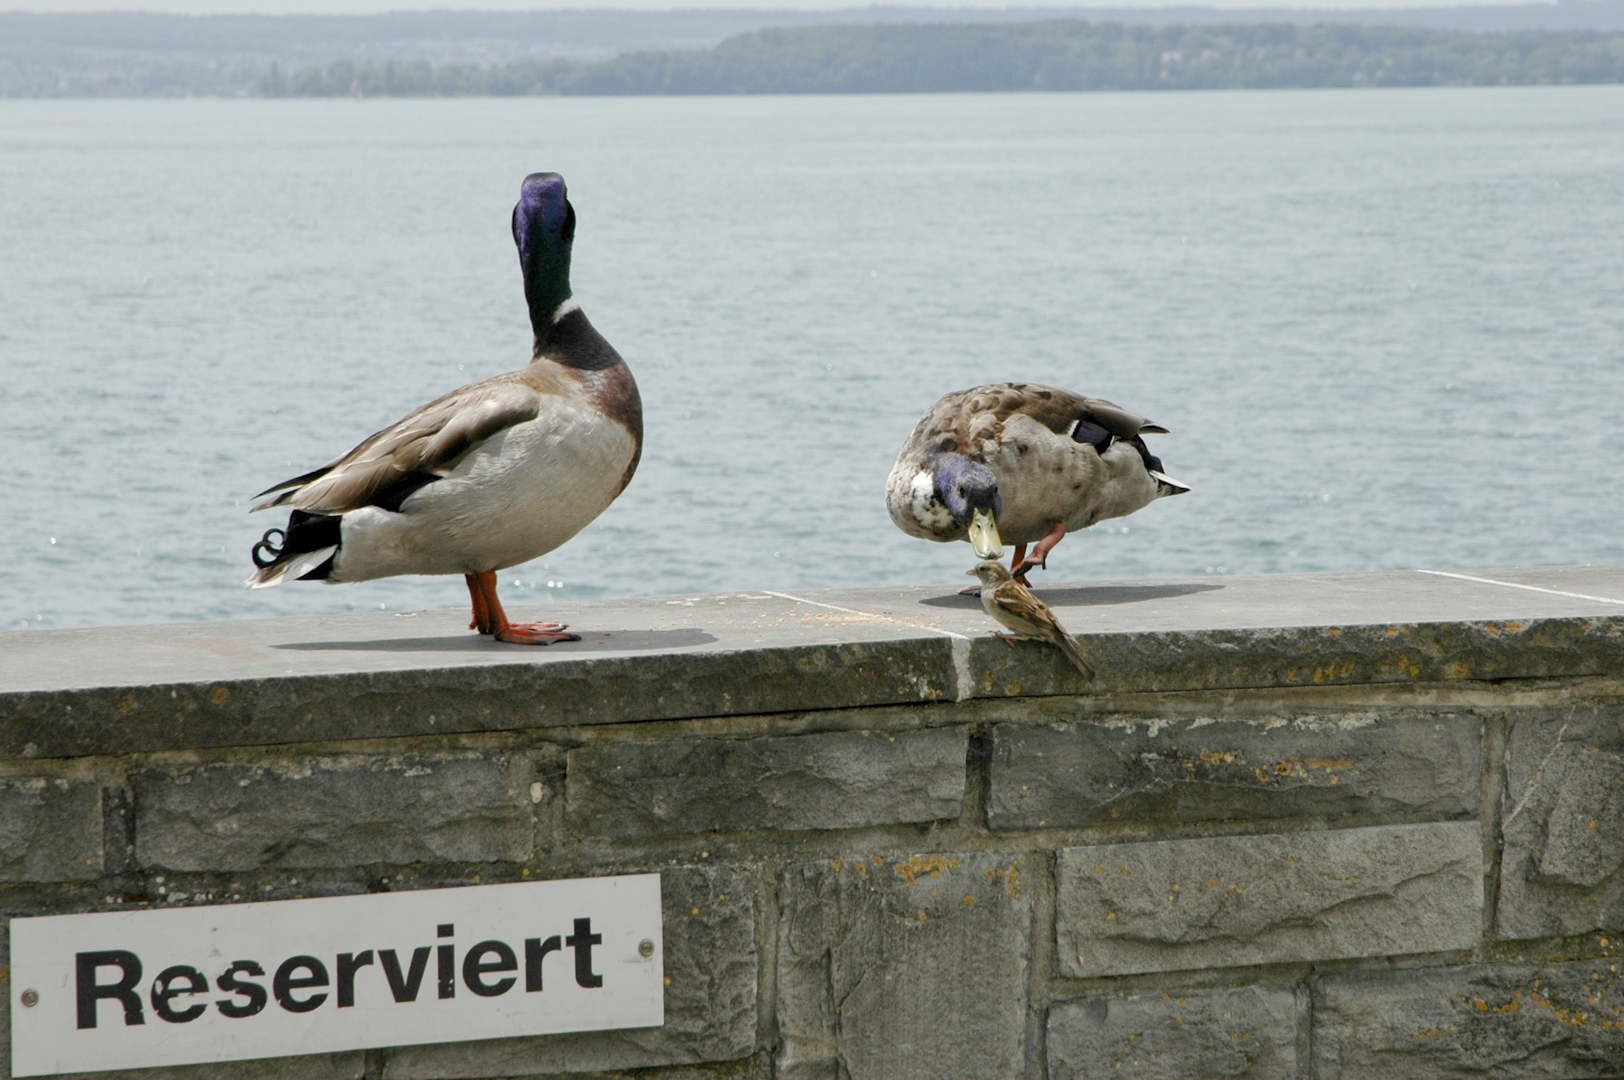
(133, 989)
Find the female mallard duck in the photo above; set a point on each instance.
(488, 476)
(1023, 463)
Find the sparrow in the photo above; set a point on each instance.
(1015, 607)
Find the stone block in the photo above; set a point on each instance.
(345, 1066)
(50, 829)
(335, 811)
(1257, 1032)
(756, 1067)
(839, 780)
(908, 968)
(1233, 900)
(710, 998)
(1138, 658)
(1472, 1022)
(1563, 825)
(1142, 769)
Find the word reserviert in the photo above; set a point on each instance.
(236, 982)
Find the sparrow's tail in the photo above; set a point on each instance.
(1074, 653)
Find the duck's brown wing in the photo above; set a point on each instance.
(965, 420)
(423, 446)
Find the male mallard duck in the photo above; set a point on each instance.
(1025, 463)
(488, 476)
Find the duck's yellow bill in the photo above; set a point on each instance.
(984, 535)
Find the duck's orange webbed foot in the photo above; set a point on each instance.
(489, 618)
(534, 633)
(1018, 565)
(1040, 554)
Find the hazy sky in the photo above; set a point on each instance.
(367, 7)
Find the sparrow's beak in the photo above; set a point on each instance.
(984, 535)
(972, 573)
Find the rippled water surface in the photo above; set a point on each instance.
(1386, 327)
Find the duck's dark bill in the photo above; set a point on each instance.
(984, 535)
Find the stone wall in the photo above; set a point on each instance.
(1353, 879)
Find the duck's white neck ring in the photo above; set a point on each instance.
(564, 309)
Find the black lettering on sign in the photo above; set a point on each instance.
(582, 941)
(474, 968)
(348, 964)
(231, 984)
(89, 991)
(404, 988)
(164, 989)
(447, 962)
(448, 971)
(535, 950)
(284, 983)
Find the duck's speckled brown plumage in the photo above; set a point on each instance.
(1022, 432)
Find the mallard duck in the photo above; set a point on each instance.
(1022, 463)
(1014, 607)
(488, 476)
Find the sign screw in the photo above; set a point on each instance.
(645, 948)
(31, 998)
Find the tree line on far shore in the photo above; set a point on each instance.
(1056, 54)
(1051, 55)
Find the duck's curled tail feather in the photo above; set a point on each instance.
(304, 550)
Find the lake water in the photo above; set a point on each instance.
(1386, 327)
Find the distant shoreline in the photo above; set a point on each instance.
(1056, 54)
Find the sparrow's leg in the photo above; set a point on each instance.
(1040, 552)
(500, 628)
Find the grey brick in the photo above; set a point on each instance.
(1256, 1032)
(346, 1066)
(1136, 769)
(710, 998)
(336, 811)
(1563, 825)
(757, 1067)
(1483, 1022)
(50, 829)
(839, 780)
(904, 969)
(1226, 901)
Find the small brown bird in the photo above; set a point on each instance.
(1015, 607)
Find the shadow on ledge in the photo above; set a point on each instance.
(591, 641)
(1086, 596)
